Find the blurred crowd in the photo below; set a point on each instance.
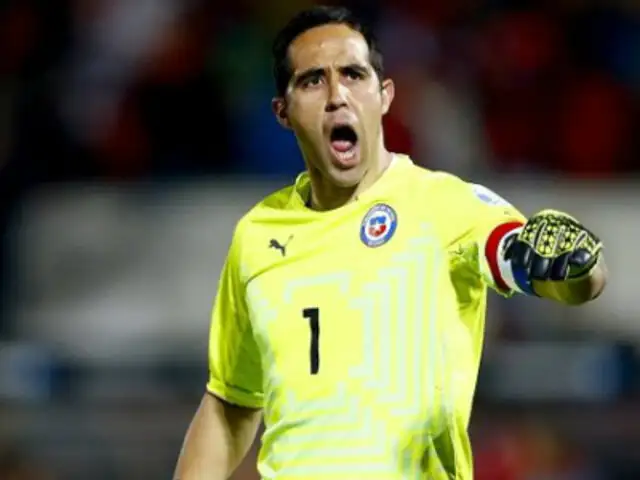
(122, 89)
(153, 90)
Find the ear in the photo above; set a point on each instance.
(279, 107)
(388, 92)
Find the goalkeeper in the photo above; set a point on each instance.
(350, 309)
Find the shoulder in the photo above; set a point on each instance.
(456, 205)
(271, 206)
(457, 192)
(268, 208)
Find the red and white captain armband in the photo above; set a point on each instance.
(499, 269)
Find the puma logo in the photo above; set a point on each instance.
(276, 245)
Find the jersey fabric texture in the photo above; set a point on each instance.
(359, 330)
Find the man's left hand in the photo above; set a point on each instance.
(554, 256)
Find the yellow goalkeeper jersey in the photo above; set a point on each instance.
(359, 330)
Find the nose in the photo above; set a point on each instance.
(337, 96)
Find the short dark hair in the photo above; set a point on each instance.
(315, 17)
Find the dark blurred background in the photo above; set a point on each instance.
(133, 134)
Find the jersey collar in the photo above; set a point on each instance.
(302, 188)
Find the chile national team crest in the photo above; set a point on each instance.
(378, 225)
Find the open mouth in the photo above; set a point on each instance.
(343, 142)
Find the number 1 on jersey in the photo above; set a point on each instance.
(313, 314)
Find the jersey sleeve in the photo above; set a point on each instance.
(235, 372)
(491, 221)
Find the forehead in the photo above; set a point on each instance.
(328, 45)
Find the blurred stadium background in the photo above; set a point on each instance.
(134, 133)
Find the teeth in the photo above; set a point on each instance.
(345, 156)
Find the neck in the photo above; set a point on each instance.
(328, 196)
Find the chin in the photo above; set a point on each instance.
(346, 178)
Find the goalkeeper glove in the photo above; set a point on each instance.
(552, 246)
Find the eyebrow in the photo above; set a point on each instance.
(316, 71)
(355, 67)
(306, 74)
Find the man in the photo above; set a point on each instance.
(350, 309)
